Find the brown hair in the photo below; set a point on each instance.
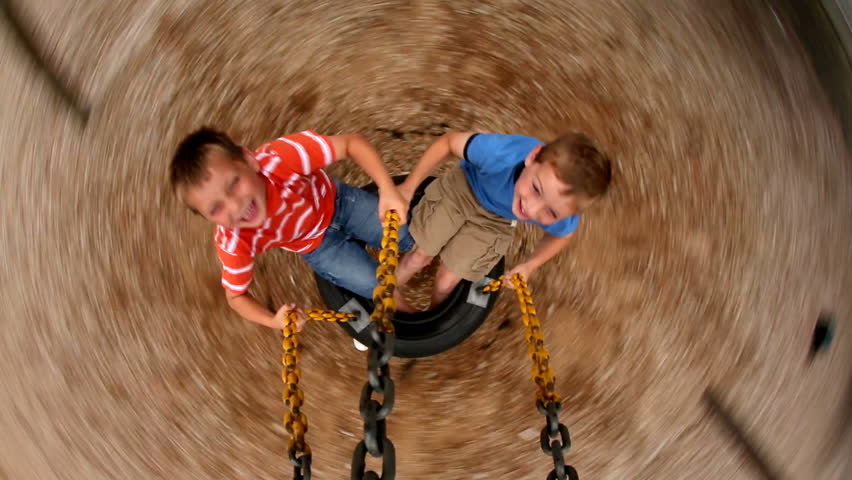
(579, 164)
(190, 159)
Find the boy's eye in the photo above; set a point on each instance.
(233, 184)
(537, 191)
(214, 210)
(552, 214)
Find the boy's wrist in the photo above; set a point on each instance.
(406, 189)
(530, 265)
(410, 183)
(384, 182)
(385, 187)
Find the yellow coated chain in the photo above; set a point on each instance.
(295, 421)
(329, 315)
(385, 305)
(542, 374)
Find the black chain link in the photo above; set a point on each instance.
(301, 466)
(374, 412)
(560, 444)
(555, 440)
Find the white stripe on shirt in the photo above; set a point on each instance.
(317, 231)
(297, 230)
(237, 271)
(270, 167)
(259, 234)
(233, 245)
(238, 288)
(326, 151)
(303, 155)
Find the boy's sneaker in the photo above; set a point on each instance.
(359, 346)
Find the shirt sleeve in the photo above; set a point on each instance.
(563, 227)
(492, 152)
(480, 148)
(237, 271)
(237, 263)
(296, 154)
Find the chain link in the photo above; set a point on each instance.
(295, 421)
(554, 438)
(329, 315)
(379, 352)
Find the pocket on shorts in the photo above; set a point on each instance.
(421, 222)
(490, 257)
(424, 210)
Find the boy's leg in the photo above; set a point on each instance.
(344, 263)
(357, 215)
(435, 220)
(411, 263)
(472, 253)
(445, 282)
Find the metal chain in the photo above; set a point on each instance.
(329, 315)
(379, 353)
(295, 421)
(548, 401)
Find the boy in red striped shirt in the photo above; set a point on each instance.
(278, 196)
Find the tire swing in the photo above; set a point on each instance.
(419, 334)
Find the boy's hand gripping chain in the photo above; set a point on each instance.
(379, 353)
(295, 421)
(547, 400)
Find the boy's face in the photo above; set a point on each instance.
(232, 192)
(539, 193)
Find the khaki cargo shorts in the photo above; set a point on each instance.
(449, 221)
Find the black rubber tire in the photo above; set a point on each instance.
(420, 334)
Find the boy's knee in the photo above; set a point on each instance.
(419, 258)
(446, 281)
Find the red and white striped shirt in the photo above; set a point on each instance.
(299, 206)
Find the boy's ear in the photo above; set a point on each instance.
(532, 155)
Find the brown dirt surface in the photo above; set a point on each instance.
(726, 232)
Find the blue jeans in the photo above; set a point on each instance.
(340, 259)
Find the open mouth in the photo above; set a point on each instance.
(250, 213)
(521, 209)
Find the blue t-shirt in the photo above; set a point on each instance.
(492, 163)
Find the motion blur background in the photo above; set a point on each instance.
(727, 233)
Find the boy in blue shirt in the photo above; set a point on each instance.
(467, 216)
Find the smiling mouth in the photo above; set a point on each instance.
(521, 208)
(250, 213)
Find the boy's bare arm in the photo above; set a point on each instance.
(248, 308)
(362, 152)
(547, 248)
(450, 145)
